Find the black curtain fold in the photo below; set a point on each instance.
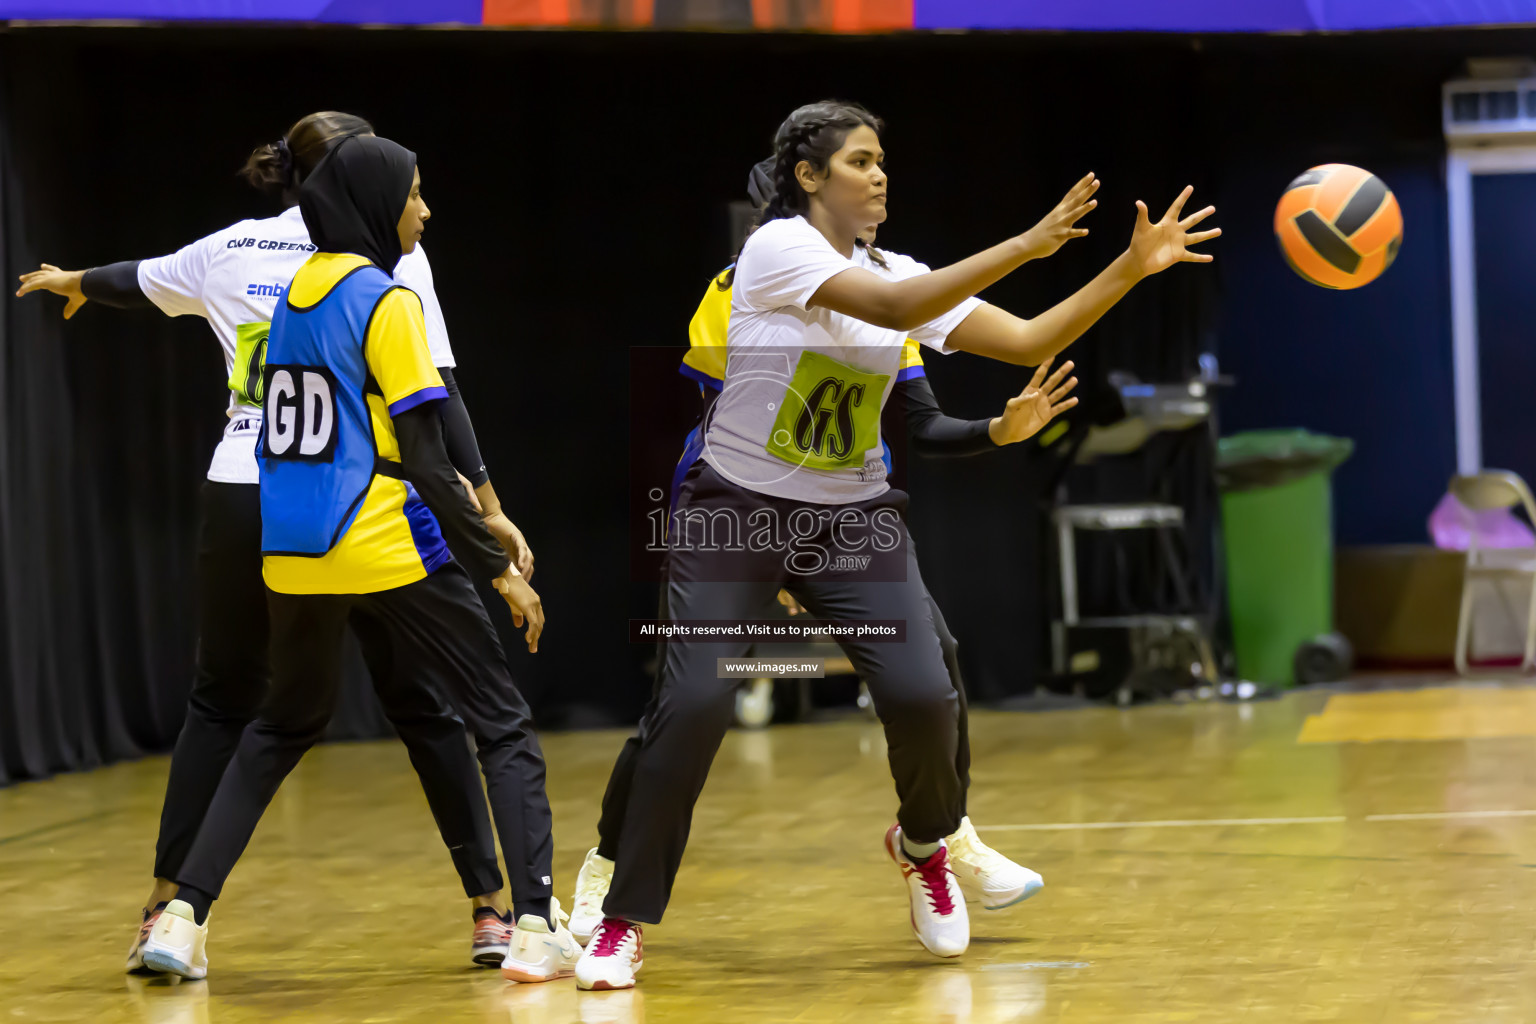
(109, 421)
(63, 704)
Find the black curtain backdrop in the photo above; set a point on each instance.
(579, 184)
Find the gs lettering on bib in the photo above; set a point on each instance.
(299, 413)
(830, 416)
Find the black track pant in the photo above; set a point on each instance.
(231, 683)
(692, 709)
(610, 824)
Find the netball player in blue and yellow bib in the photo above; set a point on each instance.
(211, 278)
(356, 491)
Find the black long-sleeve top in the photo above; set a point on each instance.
(424, 460)
(116, 285)
(936, 435)
(459, 433)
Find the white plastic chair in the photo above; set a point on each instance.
(1494, 489)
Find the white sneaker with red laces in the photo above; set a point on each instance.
(938, 918)
(491, 939)
(986, 875)
(613, 957)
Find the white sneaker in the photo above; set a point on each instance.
(613, 957)
(986, 875)
(135, 963)
(537, 954)
(939, 919)
(591, 888)
(177, 944)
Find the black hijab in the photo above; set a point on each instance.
(760, 182)
(353, 199)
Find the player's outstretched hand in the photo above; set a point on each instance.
(1041, 401)
(1157, 246)
(525, 605)
(61, 282)
(1060, 225)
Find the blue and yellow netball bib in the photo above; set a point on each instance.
(347, 351)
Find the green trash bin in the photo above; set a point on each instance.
(1277, 519)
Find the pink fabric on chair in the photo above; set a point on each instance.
(1451, 525)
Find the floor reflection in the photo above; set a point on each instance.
(161, 999)
(1346, 881)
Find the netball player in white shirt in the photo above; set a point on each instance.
(793, 444)
(232, 278)
(987, 876)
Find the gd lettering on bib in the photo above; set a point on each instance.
(830, 416)
(299, 414)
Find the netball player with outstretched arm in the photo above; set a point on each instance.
(986, 876)
(814, 342)
(232, 279)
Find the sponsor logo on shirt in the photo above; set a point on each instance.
(269, 243)
(267, 290)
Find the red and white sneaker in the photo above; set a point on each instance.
(491, 940)
(613, 957)
(136, 951)
(938, 918)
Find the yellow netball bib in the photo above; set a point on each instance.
(830, 416)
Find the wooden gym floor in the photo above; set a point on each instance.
(1354, 857)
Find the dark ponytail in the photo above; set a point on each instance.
(875, 255)
(812, 133)
(269, 168)
(278, 168)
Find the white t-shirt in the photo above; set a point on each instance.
(798, 415)
(232, 278)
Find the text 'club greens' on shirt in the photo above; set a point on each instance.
(232, 278)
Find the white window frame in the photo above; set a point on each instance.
(1461, 163)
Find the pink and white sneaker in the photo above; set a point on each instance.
(491, 940)
(613, 957)
(938, 917)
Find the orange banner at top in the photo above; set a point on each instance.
(814, 15)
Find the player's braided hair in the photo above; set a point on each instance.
(278, 168)
(812, 133)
